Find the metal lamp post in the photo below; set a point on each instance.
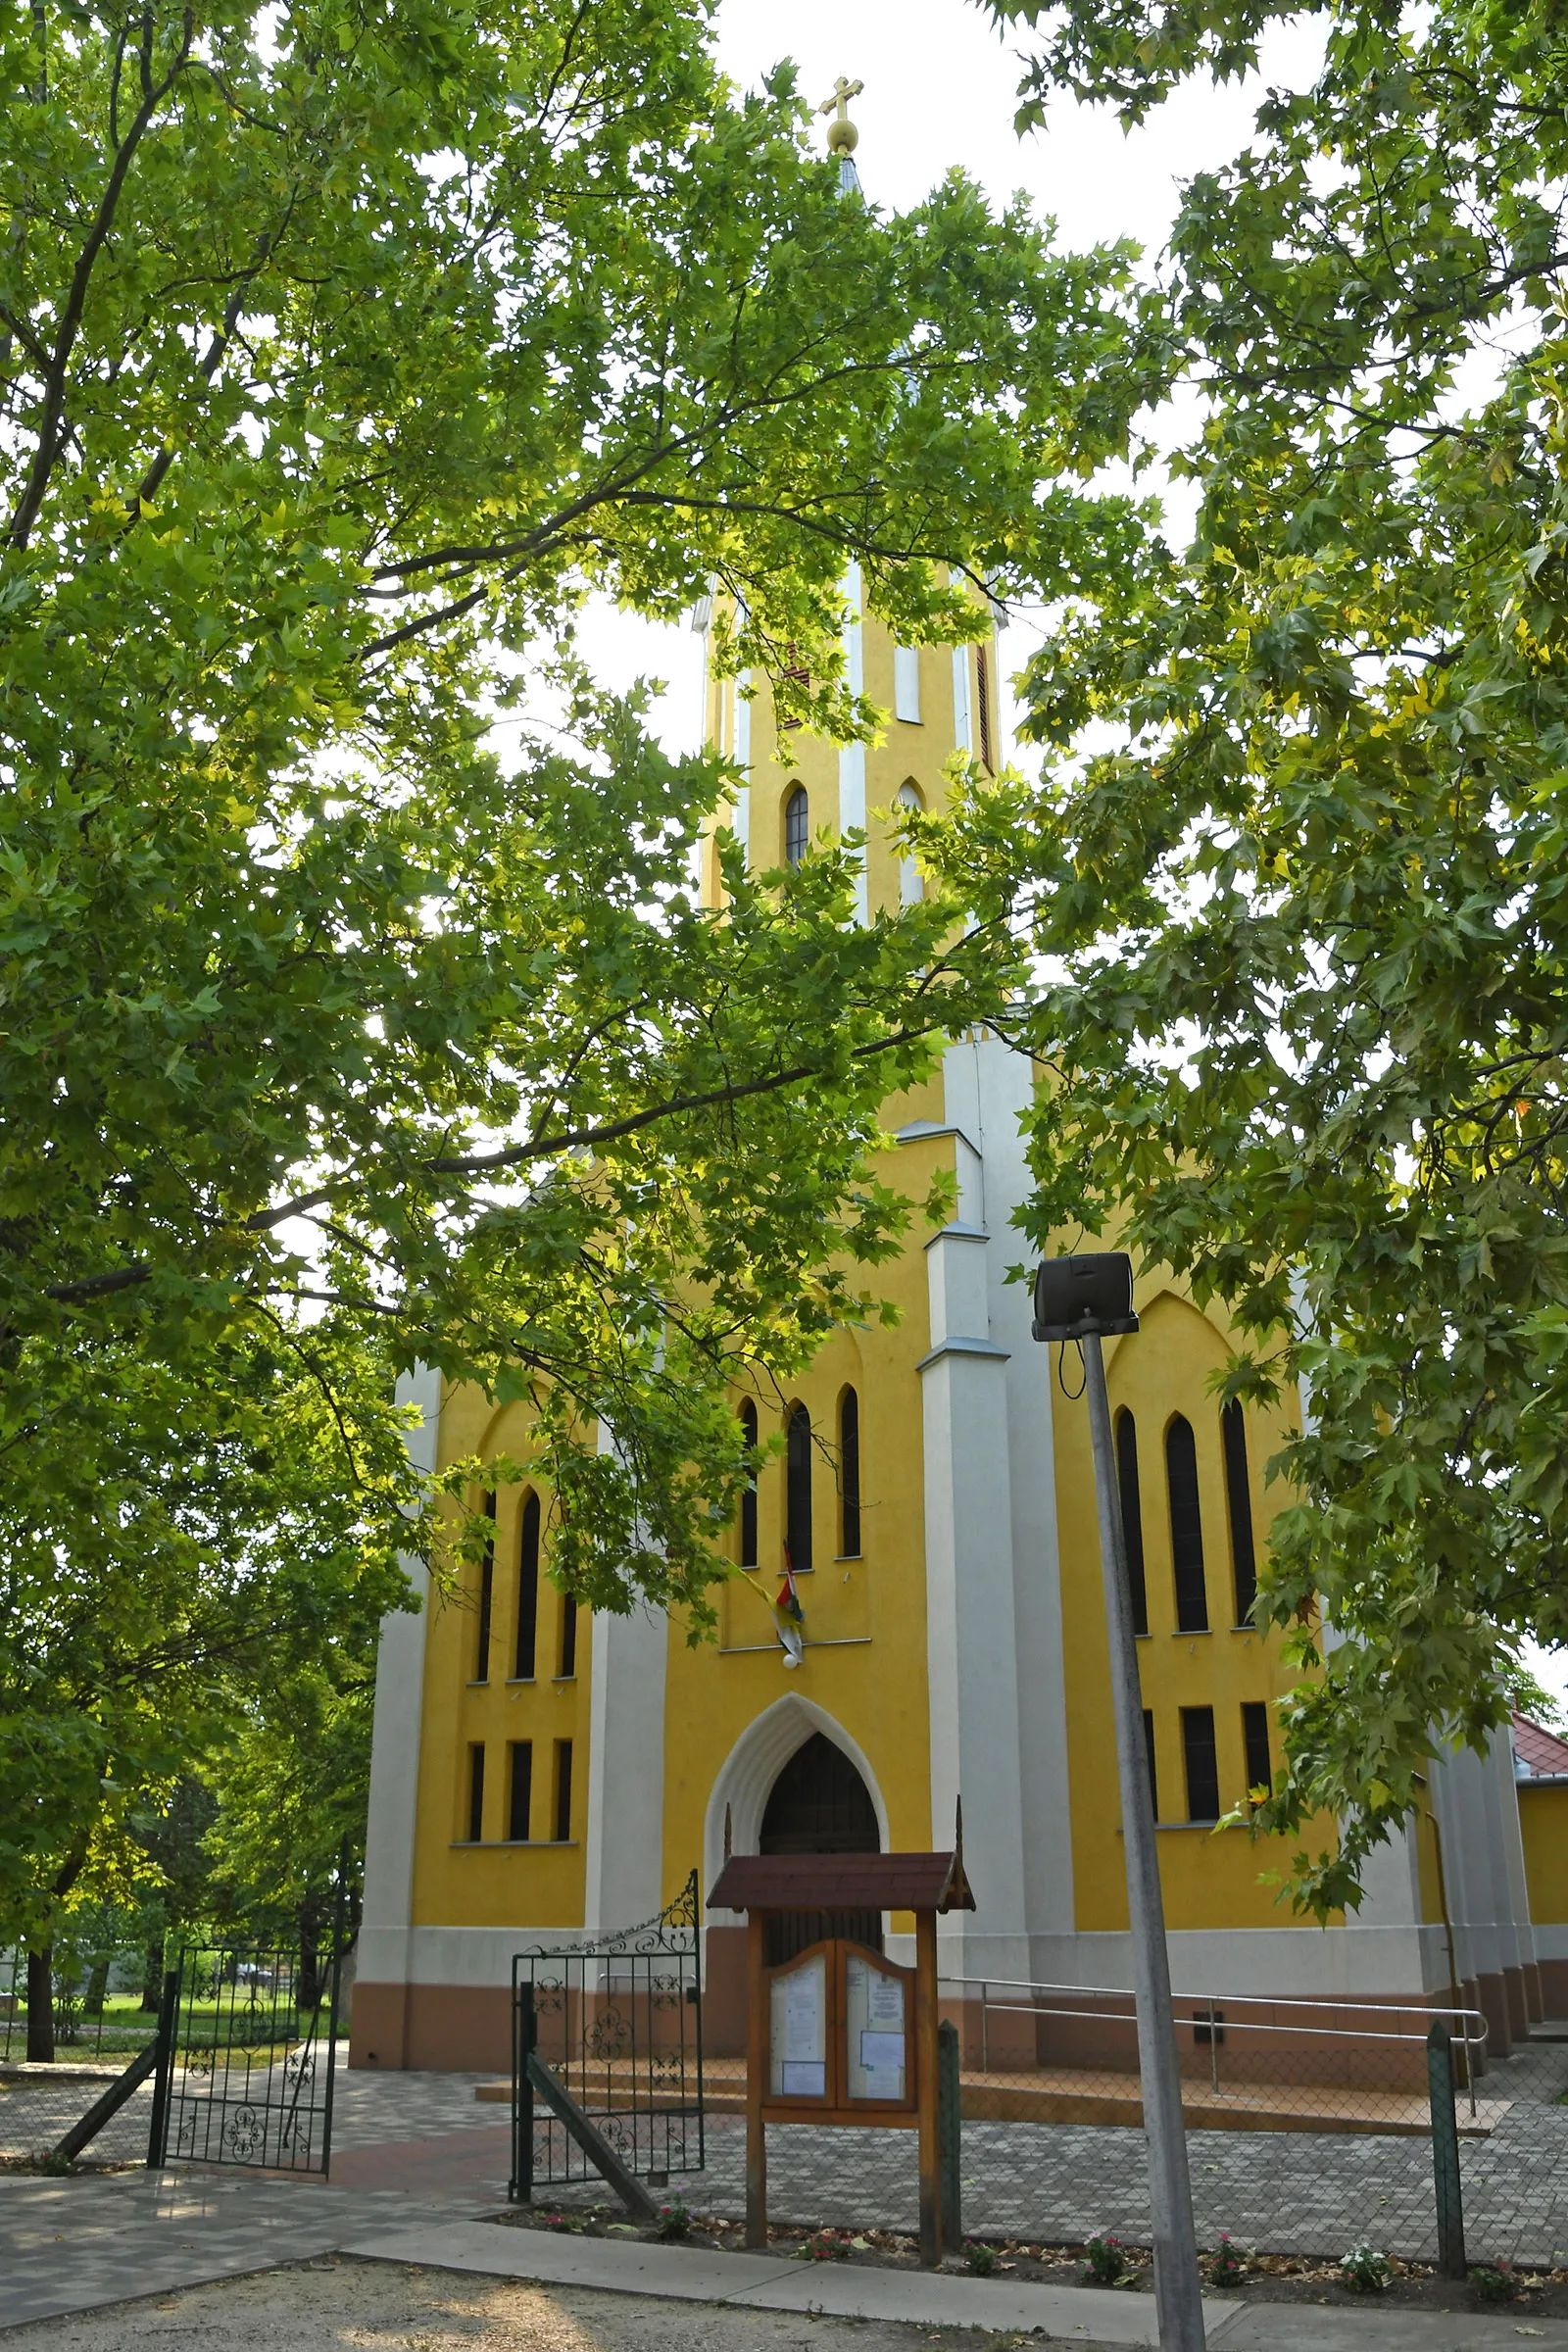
(1084, 1299)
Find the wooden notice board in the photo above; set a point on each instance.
(841, 2041)
(840, 2035)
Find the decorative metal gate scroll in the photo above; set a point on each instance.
(619, 2022)
(252, 2051)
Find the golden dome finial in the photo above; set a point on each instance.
(842, 136)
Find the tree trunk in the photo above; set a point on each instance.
(98, 1984)
(41, 2007)
(310, 1981)
(152, 1977)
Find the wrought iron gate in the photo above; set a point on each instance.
(252, 2043)
(619, 2022)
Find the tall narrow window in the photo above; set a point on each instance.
(519, 1791)
(850, 1475)
(568, 1636)
(1186, 1528)
(527, 1590)
(797, 825)
(983, 696)
(798, 1492)
(562, 1791)
(1239, 1496)
(1254, 1738)
(1148, 1758)
(487, 1597)
(911, 882)
(1202, 1766)
(1132, 1516)
(476, 1792)
(749, 1497)
(907, 684)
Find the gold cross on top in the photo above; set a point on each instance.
(842, 135)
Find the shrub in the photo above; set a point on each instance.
(1227, 2265)
(674, 2220)
(1365, 2270)
(981, 2258)
(1103, 2260)
(1495, 2281)
(825, 2245)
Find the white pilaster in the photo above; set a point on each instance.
(963, 715)
(625, 1829)
(969, 1607)
(384, 1947)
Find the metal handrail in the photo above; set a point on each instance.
(1207, 2011)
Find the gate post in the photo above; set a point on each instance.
(949, 2129)
(524, 2042)
(163, 2079)
(1445, 2153)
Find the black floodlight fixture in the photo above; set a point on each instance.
(1084, 1298)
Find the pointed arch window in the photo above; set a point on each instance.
(1186, 1528)
(798, 1492)
(522, 1664)
(797, 825)
(850, 1475)
(1239, 1497)
(747, 1418)
(1132, 1516)
(487, 1595)
(911, 882)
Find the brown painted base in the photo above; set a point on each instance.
(449, 2029)
(1553, 1974)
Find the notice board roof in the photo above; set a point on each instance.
(842, 1883)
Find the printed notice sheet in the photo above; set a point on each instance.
(798, 2037)
(874, 2022)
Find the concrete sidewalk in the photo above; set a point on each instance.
(1088, 2316)
(74, 2245)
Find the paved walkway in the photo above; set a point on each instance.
(70, 2246)
(1282, 2193)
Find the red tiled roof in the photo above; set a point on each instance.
(842, 1883)
(1540, 1751)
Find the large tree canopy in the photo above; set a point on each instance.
(1300, 850)
(342, 349)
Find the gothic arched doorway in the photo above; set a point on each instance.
(819, 1805)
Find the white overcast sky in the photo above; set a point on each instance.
(940, 87)
(938, 91)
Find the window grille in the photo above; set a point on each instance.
(749, 1498)
(487, 1596)
(850, 1475)
(798, 1492)
(797, 826)
(527, 1591)
(520, 1803)
(1239, 1496)
(1203, 1763)
(1186, 1528)
(1254, 1738)
(1132, 1517)
(983, 696)
(562, 1791)
(476, 1792)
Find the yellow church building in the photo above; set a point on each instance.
(541, 1774)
